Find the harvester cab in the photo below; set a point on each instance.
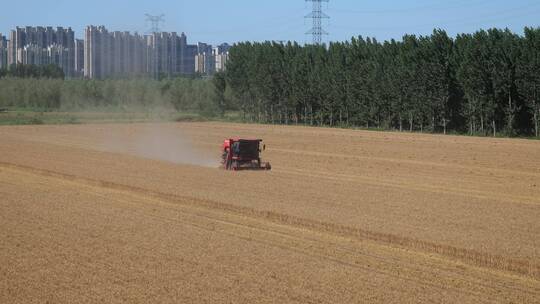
(243, 154)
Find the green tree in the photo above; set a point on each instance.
(528, 69)
(220, 86)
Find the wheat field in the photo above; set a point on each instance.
(141, 213)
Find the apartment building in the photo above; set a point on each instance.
(103, 54)
(3, 52)
(43, 45)
(79, 57)
(221, 55)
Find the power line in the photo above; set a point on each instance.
(258, 24)
(431, 7)
(317, 15)
(500, 15)
(155, 20)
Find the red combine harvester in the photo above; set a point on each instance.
(243, 154)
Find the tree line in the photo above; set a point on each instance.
(487, 82)
(52, 94)
(33, 71)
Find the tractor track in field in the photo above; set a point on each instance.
(484, 195)
(407, 161)
(337, 249)
(340, 253)
(471, 257)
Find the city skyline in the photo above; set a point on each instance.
(105, 54)
(243, 20)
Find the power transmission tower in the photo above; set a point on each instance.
(154, 50)
(317, 15)
(155, 20)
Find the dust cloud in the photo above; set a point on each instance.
(160, 142)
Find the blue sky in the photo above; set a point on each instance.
(217, 21)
